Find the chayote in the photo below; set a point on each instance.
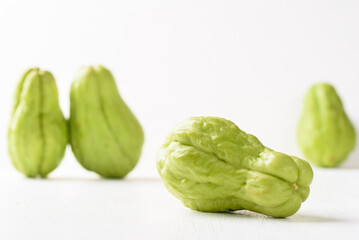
(211, 165)
(325, 134)
(37, 135)
(105, 136)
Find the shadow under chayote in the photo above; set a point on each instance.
(244, 214)
(100, 179)
(352, 162)
(353, 159)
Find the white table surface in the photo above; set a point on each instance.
(141, 208)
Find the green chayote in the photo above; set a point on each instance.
(37, 135)
(211, 165)
(105, 136)
(325, 134)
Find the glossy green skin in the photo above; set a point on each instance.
(325, 134)
(105, 136)
(213, 166)
(37, 135)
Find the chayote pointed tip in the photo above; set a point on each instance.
(33, 69)
(323, 85)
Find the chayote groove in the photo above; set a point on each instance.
(37, 135)
(105, 136)
(211, 165)
(325, 134)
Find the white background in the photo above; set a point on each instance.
(247, 61)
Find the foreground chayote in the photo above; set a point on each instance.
(105, 136)
(37, 134)
(325, 134)
(211, 165)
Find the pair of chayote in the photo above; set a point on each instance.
(104, 134)
(211, 165)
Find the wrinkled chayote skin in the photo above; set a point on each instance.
(325, 134)
(213, 166)
(105, 136)
(37, 135)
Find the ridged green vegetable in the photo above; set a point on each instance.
(37, 135)
(105, 135)
(211, 165)
(325, 134)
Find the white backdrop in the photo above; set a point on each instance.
(248, 61)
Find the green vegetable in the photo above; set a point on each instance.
(325, 134)
(105, 136)
(37, 135)
(211, 165)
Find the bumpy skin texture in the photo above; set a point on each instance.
(213, 166)
(105, 136)
(325, 134)
(37, 135)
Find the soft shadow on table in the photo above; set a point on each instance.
(353, 159)
(313, 219)
(99, 179)
(352, 162)
(234, 215)
(255, 216)
(294, 218)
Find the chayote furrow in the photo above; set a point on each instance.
(105, 135)
(326, 136)
(37, 135)
(211, 165)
